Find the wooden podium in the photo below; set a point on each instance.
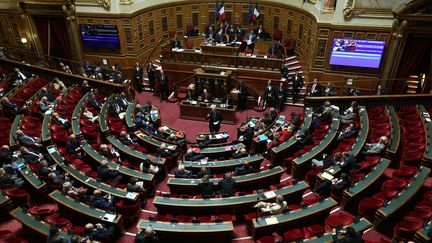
(216, 81)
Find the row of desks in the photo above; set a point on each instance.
(233, 205)
(300, 165)
(246, 182)
(224, 165)
(395, 132)
(427, 124)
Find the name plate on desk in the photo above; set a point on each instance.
(271, 220)
(109, 217)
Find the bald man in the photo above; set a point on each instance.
(215, 119)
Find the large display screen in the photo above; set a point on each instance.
(357, 53)
(100, 37)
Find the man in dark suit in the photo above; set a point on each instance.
(106, 174)
(138, 74)
(5, 155)
(93, 102)
(297, 83)
(206, 96)
(151, 74)
(215, 119)
(99, 232)
(175, 43)
(163, 86)
(315, 88)
(26, 140)
(250, 40)
(242, 96)
(73, 146)
(348, 132)
(227, 185)
(261, 33)
(269, 95)
(349, 163)
(281, 95)
(238, 34)
(11, 107)
(275, 51)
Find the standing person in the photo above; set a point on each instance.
(269, 95)
(138, 73)
(151, 74)
(215, 119)
(242, 96)
(163, 86)
(281, 95)
(297, 83)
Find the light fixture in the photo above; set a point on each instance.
(24, 40)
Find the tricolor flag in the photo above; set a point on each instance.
(221, 12)
(255, 13)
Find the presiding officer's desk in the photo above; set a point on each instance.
(294, 219)
(246, 182)
(200, 110)
(238, 205)
(190, 232)
(223, 166)
(83, 209)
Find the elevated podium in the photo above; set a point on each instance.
(216, 81)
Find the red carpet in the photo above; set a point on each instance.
(170, 114)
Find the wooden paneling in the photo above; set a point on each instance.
(12, 28)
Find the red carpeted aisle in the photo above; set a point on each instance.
(170, 114)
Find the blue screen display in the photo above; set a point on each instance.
(100, 37)
(357, 53)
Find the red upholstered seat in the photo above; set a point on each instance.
(385, 195)
(44, 209)
(59, 137)
(293, 234)
(7, 235)
(59, 221)
(312, 230)
(18, 196)
(405, 230)
(128, 210)
(310, 199)
(405, 172)
(204, 219)
(183, 218)
(395, 184)
(266, 239)
(427, 195)
(368, 206)
(337, 219)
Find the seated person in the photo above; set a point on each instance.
(147, 235)
(244, 169)
(324, 189)
(122, 101)
(295, 120)
(99, 232)
(31, 156)
(56, 180)
(89, 115)
(348, 132)
(203, 172)
(273, 208)
(240, 153)
(106, 174)
(147, 167)
(329, 90)
(54, 235)
(375, 148)
(285, 133)
(273, 113)
(93, 102)
(193, 154)
(85, 87)
(73, 146)
(161, 133)
(57, 119)
(190, 95)
(205, 142)
(5, 179)
(6, 155)
(164, 152)
(11, 107)
(348, 163)
(247, 134)
(45, 105)
(206, 187)
(206, 96)
(45, 93)
(267, 120)
(59, 85)
(126, 139)
(303, 138)
(181, 172)
(350, 114)
(45, 169)
(135, 186)
(99, 201)
(328, 160)
(28, 141)
(227, 186)
(109, 154)
(70, 190)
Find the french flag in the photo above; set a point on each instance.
(255, 13)
(221, 12)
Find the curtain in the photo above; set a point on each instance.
(58, 28)
(416, 48)
(42, 27)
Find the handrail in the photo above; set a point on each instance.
(257, 93)
(152, 52)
